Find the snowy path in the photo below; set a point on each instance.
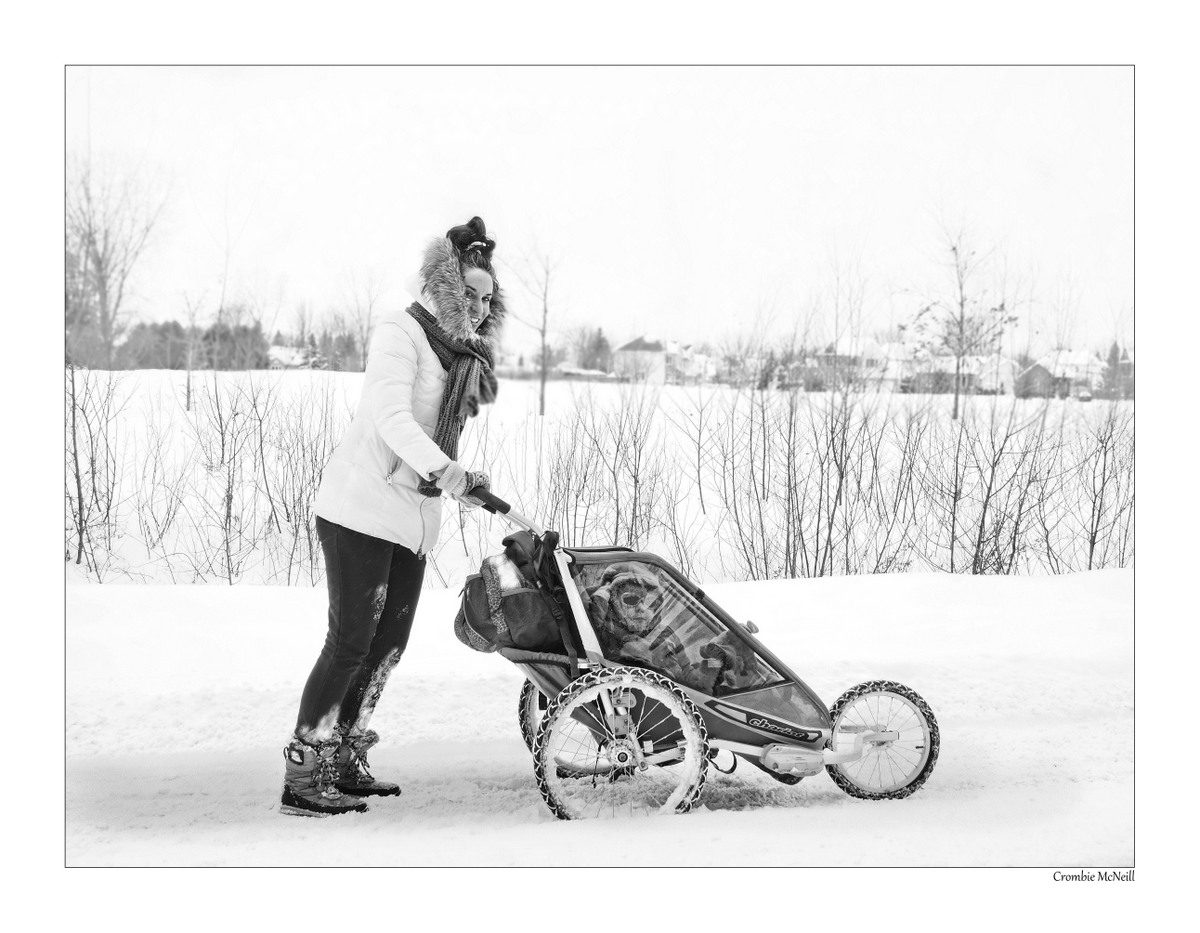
(179, 700)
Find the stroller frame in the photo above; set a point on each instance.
(784, 749)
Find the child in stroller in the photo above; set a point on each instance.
(634, 625)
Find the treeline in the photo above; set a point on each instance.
(224, 345)
(591, 349)
(111, 217)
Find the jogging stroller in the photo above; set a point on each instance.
(637, 682)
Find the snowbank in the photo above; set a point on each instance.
(180, 699)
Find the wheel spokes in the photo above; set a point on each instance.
(890, 766)
(590, 777)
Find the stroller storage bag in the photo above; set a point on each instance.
(501, 609)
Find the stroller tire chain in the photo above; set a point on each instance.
(531, 707)
(931, 739)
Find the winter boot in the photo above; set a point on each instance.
(353, 776)
(309, 787)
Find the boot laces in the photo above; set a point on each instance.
(358, 761)
(326, 772)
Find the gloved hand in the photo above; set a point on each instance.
(456, 482)
(474, 479)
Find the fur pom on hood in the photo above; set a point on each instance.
(440, 283)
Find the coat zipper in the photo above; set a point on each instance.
(421, 546)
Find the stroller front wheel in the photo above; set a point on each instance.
(893, 769)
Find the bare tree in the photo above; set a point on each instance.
(304, 322)
(743, 353)
(536, 276)
(192, 317)
(968, 319)
(110, 217)
(1065, 314)
(578, 341)
(361, 299)
(79, 299)
(847, 299)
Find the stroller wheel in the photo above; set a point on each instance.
(531, 706)
(620, 741)
(893, 769)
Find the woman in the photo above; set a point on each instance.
(379, 510)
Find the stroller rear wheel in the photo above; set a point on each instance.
(531, 707)
(620, 740)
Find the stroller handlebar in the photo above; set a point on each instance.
(498, 506)
(492, 503)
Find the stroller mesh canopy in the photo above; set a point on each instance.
(643, 616)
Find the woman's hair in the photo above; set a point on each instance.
(473, 245)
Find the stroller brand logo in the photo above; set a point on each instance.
(804, 735)
(759, 721)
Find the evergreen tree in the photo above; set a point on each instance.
(328, 352)
(1112, 372)
(313, 357)
(345, 352)
(600, 356)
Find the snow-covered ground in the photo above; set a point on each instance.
(180, 699)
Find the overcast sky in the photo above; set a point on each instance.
(678, 202)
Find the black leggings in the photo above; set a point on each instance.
(374, 586)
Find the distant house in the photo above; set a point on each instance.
(1034, 381)
(287, 358)
(663, 362)
(894, 367)
(936, 374)
(685, 364)
(997, 374)
(1075, 369)
(641, 360)
(831, 367)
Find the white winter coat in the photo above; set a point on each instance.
(370, 482)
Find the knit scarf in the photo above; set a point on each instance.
(470, 383)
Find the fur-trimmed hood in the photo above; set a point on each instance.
(617, 578)
(440, 283)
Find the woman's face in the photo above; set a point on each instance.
(479, 294)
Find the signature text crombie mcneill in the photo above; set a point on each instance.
(1094, 875)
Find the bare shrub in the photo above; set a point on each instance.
(1103, 515)
(741, 483)
(623, 441)
(300, 439)
(228, 530)
(159, 501)
(95, 466)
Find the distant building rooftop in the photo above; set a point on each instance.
(641, 343)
